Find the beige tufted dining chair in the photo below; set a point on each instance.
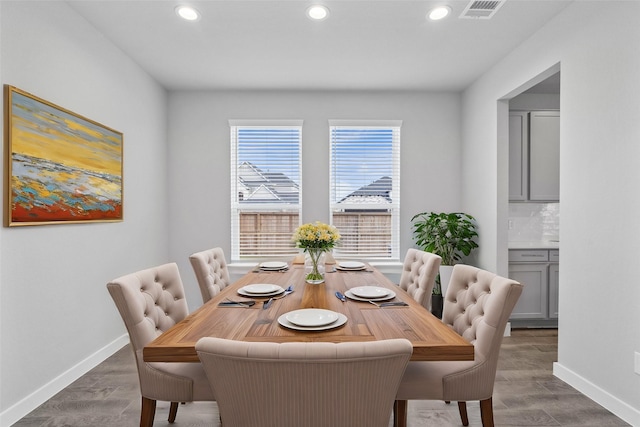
(419, 272)
(310, 384)
(477, 306)
(210, 268)
(150, 302)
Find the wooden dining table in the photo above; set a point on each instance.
(432, 340)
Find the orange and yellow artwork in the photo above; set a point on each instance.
(62, 167)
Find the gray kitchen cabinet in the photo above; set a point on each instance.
(534, 156)
(533, 303)
(554, 272)
(544, 155)
(537, 270)
(518, 155)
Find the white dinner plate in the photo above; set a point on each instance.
(274, 265)
(370, 291)
(350, 295)
(342, 319)
(351, 265)
(350, 269)
(278, 290)
(261, 288)
(310, 317)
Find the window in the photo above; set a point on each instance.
(265, 188)
(365, 188)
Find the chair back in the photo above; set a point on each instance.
(419, 273)
(150, 302)
(477, 306)
(297, 384)
(212, 273)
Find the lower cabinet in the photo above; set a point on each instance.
(554, 269)
(537, 270)
(533, 303)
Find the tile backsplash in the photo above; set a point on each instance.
(534, 222)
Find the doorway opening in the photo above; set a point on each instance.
(532, 206)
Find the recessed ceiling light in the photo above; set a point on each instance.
(318, 12)
(188, 13)
(439, 12)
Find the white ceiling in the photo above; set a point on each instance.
(271, 44)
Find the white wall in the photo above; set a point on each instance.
(200, 166)
(57, 318)
(597, 48)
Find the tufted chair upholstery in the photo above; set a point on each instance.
(419, 273)
(304, 384)
(477, 306)
(211, 271)
(150, 302)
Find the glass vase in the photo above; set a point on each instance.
(314, 266)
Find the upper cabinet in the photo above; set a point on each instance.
(518, 156)
(544, 155)
(534, 156)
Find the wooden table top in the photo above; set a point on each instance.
(432, 340)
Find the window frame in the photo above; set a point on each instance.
(393, 207)
(237, 207)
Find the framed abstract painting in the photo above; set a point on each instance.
(60, 167)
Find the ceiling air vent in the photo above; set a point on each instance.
(481, 9)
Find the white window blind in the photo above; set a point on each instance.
(365, 189)
(265, 189)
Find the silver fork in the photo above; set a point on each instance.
(389, 304)
(237, 302)
(267, 303)
(286, 292)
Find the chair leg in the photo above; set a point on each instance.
(148, 412)
(173, 411)
(462, 408)
(400, 413)
(486, 412)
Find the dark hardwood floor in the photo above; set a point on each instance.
(526, 394)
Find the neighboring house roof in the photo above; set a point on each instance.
(263, 193)
(378, 192)
(266, 186)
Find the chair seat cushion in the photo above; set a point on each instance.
(425, 380)
(194, 371)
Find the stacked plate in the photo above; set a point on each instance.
(370, 293)
(350, 266)
(260, 290)
(274, 266)
(312, 319)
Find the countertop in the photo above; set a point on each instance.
(544, 244)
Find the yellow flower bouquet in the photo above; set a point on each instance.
(315, 238)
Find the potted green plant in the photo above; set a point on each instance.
(450, 235)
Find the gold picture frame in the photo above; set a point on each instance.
(60, 167)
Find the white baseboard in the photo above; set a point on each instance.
(619, 408)
(14, 413)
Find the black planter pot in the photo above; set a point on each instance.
(437, 302)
